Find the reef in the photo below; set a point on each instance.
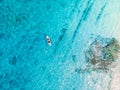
(102, 52)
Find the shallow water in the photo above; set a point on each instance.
(26, 60)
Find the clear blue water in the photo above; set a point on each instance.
(26, 60)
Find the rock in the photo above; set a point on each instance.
(102, 52)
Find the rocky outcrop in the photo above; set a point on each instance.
(102, 52)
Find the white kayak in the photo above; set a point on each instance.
(48, 40)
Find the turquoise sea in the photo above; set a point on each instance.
(27, 62)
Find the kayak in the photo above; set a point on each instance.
(48, 40)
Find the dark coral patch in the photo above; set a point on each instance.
(13, 61)
(74, 58)
(2, 35)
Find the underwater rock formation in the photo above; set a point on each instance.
(102, 52)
